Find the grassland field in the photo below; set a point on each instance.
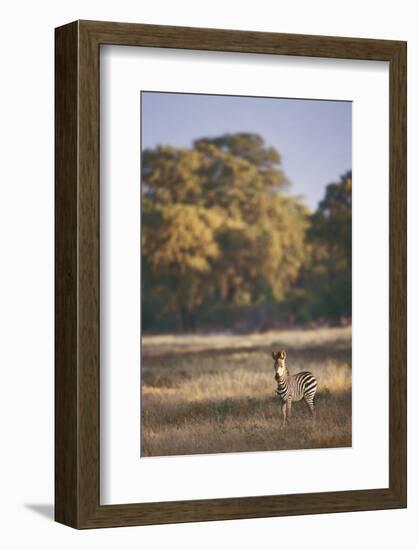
(216, 393)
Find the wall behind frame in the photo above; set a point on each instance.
(27, 271)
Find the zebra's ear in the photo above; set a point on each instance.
(274, 356)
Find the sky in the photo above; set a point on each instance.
(313, 137)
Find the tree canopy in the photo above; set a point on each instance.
(219, 229)
(324, 288)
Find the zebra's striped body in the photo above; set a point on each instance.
(294, 387)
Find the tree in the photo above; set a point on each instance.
(324, 288)
(178, 250)
(216, 225)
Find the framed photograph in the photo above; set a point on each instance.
(230, 274)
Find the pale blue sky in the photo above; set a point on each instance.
(313, 137)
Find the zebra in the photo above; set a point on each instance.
(293, 387)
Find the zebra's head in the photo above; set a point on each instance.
(279, 363)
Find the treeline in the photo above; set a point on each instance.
(224, 247)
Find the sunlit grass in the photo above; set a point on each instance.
(216, 393)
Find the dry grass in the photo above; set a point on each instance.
(216, 393)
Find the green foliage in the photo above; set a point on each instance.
(218, 232)
(324, 288)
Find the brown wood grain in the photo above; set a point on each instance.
(66, 237)
(77, 370)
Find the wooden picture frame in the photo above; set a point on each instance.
(77, 374)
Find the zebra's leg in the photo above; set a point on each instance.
(284, 411)
(309, 400)
(289, 407)
(280, 405)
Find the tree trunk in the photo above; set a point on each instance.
(187, 319)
